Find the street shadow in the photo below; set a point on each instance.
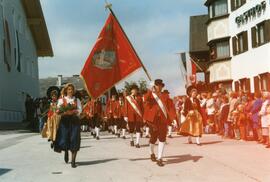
(174, 159)
(144, 145)
(182, 158)
(210, 143)
(85, 138)
(82, 147)
(88, 163)
(4, 171)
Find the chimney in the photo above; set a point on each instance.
(59, 81)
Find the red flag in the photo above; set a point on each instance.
(111, 60)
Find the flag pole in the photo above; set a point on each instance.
(109, 6)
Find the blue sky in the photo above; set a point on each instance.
(157, 29)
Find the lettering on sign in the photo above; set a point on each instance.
(251, 13)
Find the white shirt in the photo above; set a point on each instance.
(71, 100)
(210, 106)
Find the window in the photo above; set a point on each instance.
(222, 49)
(260, 34)
(218, 8)
(240, 43)
(235, 4)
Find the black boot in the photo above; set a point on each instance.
(73, 164)
(52, 145)
(66, 156)
(137, 145)
(153, 158)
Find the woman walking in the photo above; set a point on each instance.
(68, 136)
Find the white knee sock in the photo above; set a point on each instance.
(161, 146)
(138, 136)
(97, 131)
(115, 129)
(152, 148)
(170, 130)
(131, 137)
(198, 140)
(124, 132)
(147, 131)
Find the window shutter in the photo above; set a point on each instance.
(268, 81)
(232, 5)
(253, 37)
(267, 30)
(256, 84)
(234, 39)
(245, 41)
(247, 82)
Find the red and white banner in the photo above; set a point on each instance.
(111, 60)
(190, 69)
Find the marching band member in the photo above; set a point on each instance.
(68, 135)
(157, 115)
(134, 114)
(122, 122)
(173, 114)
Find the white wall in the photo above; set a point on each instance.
(13, 84)
(218, 29)
(220, 71)
(255, 60)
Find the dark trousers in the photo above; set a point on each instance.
(135, 126)
(158, 131)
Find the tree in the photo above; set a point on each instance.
(142, 84)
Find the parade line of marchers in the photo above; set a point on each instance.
(111, 60)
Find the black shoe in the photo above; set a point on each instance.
(124, 137)
(118, 135)
(170, 136)
(113, 132)
(267, 146)
(97, 137)
(160, 163)
(52, 145)
(153, 158)
(138, 146)
(66, 156)
(199, 144)
(73, 165)
(94, 135)
(147, 136)
(132, 143)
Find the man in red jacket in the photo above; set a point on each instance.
(172, 113)
(112, 113)
(156, 113)
(134, 114)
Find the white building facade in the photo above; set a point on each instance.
(238, 36)
(23, 38)
(250, 32)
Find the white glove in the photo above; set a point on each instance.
(126, 119)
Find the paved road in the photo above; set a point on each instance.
(25, 157)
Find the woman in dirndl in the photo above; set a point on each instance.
(193, 125)
(53, 117)
(68, 136)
